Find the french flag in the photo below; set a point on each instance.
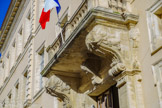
(45, 15)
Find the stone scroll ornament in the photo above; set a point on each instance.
(56, 87)
(116, 67)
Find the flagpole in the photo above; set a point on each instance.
(59, 24)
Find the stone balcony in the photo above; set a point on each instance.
(101, 42)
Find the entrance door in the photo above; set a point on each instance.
(108, 99)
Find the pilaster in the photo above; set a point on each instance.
(130, 89)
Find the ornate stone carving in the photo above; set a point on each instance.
(100, 36)
(56, 87)
(116, 68)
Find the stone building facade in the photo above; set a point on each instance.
(99, 54)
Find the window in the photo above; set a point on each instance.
(39, 67)
(108, 99)
(7, 64)
(27, 30)
(154, 19)
(13, 53)
(41, 61)
(19, 42)
(157, 73)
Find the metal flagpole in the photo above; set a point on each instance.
(59, 24)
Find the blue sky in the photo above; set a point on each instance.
(3, 9)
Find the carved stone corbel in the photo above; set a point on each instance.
(116, 68)
(56, 87)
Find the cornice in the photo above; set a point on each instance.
(10, 16)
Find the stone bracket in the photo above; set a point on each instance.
(56, 87)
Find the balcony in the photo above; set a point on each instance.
(96, 49)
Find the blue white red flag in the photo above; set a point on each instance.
(45, 15)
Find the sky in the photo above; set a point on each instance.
(3, 9)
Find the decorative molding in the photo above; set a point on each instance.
(9, 19)
(15, 22)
